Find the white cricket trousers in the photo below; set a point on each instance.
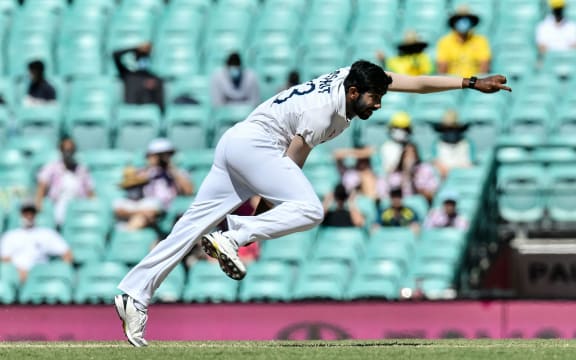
(247, 162)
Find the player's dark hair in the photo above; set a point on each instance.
(366, 76)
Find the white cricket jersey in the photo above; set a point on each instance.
(315, 110)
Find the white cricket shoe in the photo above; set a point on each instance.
(133, 320)
(225, 250)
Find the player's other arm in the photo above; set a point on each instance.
(298, 150)
(430, 84)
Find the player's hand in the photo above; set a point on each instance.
(492, 84)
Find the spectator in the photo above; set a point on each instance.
(447, 215)
(136, 211)
(411, 58)
(461, 52)
(30, 245)
(555, 33)
(63, 181)
(166, 181)
(234, 84)
(340, 209)
(40, 91)
(141, 85)
(360, 177)
(412, 175)
(399, 134)
(453, 150)
(398, 214)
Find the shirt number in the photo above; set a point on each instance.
(306, 89)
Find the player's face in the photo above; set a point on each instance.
(366, 104)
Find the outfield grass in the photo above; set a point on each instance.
(349, 350)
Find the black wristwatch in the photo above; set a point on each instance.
(472, 82)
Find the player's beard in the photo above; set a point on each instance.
(360, 108)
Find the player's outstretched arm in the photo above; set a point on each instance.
(429, 84)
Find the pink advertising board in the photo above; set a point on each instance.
(369, 320)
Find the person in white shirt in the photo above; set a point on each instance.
(264, 156)
(555, 32)
(452, 150)
(234, 84)
(30, 245)
(399, 134)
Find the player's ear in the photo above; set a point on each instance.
(353, 92)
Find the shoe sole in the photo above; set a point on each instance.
(120, 310)
(228, 266)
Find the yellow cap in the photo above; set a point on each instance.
(554, 4)
(400, 119)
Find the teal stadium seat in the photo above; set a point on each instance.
(44, 121)
(172, 287)
(177, 207)
(98, 281)
(4, 124)
(375, 279)
(562, 188)
(130, 246)
(321, 280)
(207, 283)
(398, 251)
(86, 246)
(48, 283)
(340, 244)
(90, 128)
(197, 87)
(137, 126)
(101, 92)
(268, 281)
(520, 192)
(293, 248)
(197, 162)
(187, 126)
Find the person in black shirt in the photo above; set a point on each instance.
(344, 213)
(141, 85)
(39, 91)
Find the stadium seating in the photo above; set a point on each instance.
(48, 283)
(524, 143)
(207, 283)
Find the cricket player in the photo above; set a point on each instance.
(264, 155)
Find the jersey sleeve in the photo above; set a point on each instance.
(314, 124)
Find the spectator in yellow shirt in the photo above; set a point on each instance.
(461, 52)
(411, 59)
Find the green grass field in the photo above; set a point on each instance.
(349, 350)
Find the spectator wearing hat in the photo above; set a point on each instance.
(165, 180)
(452, 150)
(398, 214)
(411, 58)
(447, 215)
(30, 245)
(399, 134)
(234, 84)
(555, 32)
(136, 211)
(412, 175)
(63, 181)
(462, 52)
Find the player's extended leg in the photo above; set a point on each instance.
(217, 196)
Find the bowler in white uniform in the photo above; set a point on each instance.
(263, 155)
